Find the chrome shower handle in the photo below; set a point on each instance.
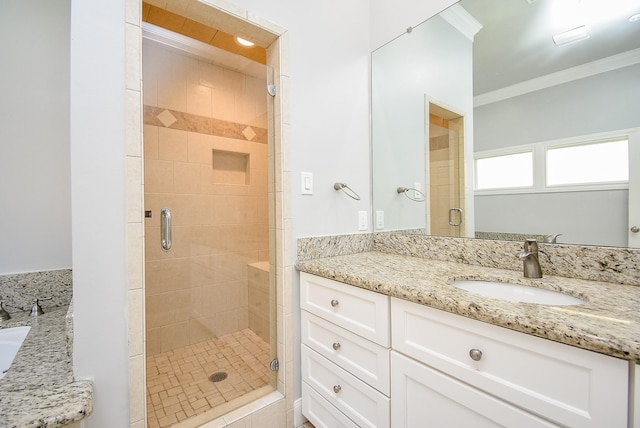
(165, 229)
(452, 222)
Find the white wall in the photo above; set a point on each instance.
(99, 206)
(328, 62)
(390, 19)
(35, 199)
(601, 103)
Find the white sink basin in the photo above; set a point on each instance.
(517, 292)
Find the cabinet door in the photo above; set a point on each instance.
(570, 386)
(424, 397)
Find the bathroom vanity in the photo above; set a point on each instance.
(39, 389)
(387, 340)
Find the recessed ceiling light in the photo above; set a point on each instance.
(244, 42)
(634, 18)
(574, 35)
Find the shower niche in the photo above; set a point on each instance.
(231, 167)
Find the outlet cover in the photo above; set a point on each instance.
(379, 219)
(362, 220)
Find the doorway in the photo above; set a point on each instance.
(209, 287)
(445, 172)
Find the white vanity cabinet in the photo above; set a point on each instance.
(472, 373)
(345, 354)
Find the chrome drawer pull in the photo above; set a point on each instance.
(334, 303)
(337, 388)
(336, 346)
(475, 354)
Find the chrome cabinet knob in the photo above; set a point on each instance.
(336, 346)
(635, 229)
(475, 354)
(334, 303)
(337, 388)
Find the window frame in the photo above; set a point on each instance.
(539, 158)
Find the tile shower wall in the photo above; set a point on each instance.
(206, 159)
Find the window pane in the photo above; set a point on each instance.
(508, 171)
(589, 163)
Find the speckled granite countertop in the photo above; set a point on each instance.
(608, 322)
(39, 389)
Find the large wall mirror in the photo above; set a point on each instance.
(490, 120)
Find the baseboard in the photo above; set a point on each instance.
(298, 418)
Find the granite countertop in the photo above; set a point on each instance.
(39, 389)
(608, 322)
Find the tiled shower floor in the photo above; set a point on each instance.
(178, 385)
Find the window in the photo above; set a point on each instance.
(587, 163)
(603, 162)
(505, 171)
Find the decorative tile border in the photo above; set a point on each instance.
(158, 116)
(18, 290)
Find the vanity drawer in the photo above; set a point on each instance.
(320, 412)
(362, 358)
(565, 384)
(357, 400)
(363, 312)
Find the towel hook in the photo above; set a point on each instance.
(406, 191)
(349, 191)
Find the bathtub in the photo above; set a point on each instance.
(10, 341)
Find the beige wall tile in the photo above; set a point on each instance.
(174, 336)
(136, 322)
(200, 148)
(134, 189)
(137, 400)
(158, 176)
(135, 255)
(172, 144)
(186, 177)
(172, 90)
(198, 99)
(150, 134)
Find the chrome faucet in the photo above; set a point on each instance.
(4, 315)
(551, 239)
(36, 309)
(529, 257)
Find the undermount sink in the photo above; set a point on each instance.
(517, 292)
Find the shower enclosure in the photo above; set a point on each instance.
(209, 294)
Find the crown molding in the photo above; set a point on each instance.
(462, 21)
(603, 65)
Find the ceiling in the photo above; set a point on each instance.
(515, 43)
(201, 32)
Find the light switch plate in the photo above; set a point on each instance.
(306, 183)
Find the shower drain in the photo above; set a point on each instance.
(218, 377)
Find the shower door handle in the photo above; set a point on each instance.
(165, 229)
(452, 222)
